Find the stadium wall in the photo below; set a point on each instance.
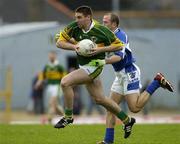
(25, 48)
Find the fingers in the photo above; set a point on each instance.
(77, 49)
(93, 52)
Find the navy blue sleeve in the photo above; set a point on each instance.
(119, 53)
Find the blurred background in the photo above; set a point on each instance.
(27, 30)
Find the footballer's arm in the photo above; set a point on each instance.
(112, 59)
(67, 44)
(111, 48)
(115, 46)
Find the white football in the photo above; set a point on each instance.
(85, 46)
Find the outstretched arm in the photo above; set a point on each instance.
(112, 59)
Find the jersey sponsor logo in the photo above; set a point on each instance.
(133, 77)
(94, 39)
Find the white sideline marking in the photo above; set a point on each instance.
(101, 120)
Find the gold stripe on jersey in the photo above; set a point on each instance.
(64, 36)
(73, 41)
(53, 75)
(100, 45)
(117, 42)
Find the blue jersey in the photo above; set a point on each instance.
(125, 53)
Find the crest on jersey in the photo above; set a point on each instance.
(94, 39)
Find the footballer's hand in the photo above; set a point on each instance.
(76, 48)
(94, 51)
(57, 37)
(97, 63)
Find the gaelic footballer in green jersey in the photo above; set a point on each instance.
(97, 33)
(53, 73)
(85, 27)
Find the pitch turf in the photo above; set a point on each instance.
(87, 134)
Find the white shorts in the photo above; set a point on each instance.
(92, 71)
(53, 90)
(127, 82)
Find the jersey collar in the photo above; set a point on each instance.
(91, 26)
(116, 30)
(56, 62)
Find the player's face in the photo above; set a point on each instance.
(52, 57)
(81, 20)
(107, 21)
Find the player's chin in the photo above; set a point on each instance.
(80, 26)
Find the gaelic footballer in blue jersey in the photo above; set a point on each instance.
(127, 81)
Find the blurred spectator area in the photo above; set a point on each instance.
(25, 45)
(134, 13)
(147, 19)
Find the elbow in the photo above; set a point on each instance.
(117, 48)
(120, 47)
(58, 44)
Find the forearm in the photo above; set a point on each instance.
(38, 84)
(111, 48)
(112, 59)
(65, 45)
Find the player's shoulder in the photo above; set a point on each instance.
(102, 28)
(99, 25)
(46, 66)
(73, 24)
(121, 32)
(60, 66)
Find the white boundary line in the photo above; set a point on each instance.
(101, 120)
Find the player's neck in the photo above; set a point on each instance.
(114, 29)
(88, 26)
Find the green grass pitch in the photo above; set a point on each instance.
(88, 134)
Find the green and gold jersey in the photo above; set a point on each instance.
(98, 33)
(52, 73)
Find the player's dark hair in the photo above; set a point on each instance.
(85, 10)
(114, 18)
